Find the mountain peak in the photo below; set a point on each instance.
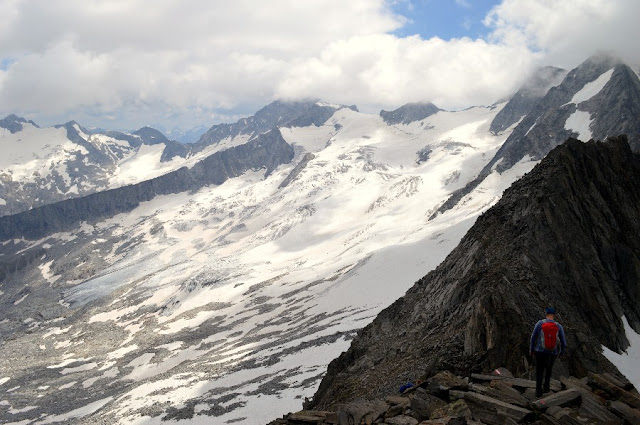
(150, 136)
(409, 113)
(13, 123)
(279, 113)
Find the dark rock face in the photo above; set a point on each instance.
(564, 235)
(13, 123)
(409, 113)
(614, 110)
(264, 152)
(297, 170)
(527, 97)
(150, 136)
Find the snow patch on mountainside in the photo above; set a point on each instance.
(591, 89)
(628, 361)
(580, 122)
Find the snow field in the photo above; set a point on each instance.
(628, 361)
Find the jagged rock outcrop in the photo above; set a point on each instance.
(527, 97)
(409, 113)
(565, 234)
(495, 399)
(266, 151)
(614, 109)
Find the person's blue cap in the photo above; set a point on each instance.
(550, 310)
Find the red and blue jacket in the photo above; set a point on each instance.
(536, 343)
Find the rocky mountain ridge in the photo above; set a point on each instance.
(599, 98)
(475, 311)
(527, 97)
(267, 151)
(494, 399)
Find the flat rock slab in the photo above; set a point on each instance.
(313, 417)
(490, 410)
(614, 391)
(515, 382)
(629, 414)
(561, 399)
(397, 400)
(401, 420)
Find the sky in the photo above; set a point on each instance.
(123, 64)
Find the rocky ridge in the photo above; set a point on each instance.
(612, 110)
(266, 151)
(276, 114)
(495, 399)
(474, 312)
(527, 97)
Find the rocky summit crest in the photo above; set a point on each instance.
(564, 235)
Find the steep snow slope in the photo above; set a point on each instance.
(230, 301)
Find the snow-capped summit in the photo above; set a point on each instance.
(13, 123)
(409, 113)
(150, 136)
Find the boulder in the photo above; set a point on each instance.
(592, 408)
(441, 383)
(423, 404)
(361, 411)
(620, 381)
(504, 372)
(394, 400)
(310, 417)
(401, 420)
(630, 415)
(508, 394)
(490, 410)
(614, 391)
(561, 399)
(457, 409)
(530, 394)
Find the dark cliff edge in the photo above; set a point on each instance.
(267, 151)
(564, 235)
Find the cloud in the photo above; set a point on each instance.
(568, 32)
(391, 71)
(193, 61)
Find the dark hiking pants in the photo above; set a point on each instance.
(544, 364)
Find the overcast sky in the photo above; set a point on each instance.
(127, 63)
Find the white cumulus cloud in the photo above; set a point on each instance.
(196, 61)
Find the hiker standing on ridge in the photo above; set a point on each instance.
(544, 344)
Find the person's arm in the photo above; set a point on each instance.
(534, 336)
(563, 340)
